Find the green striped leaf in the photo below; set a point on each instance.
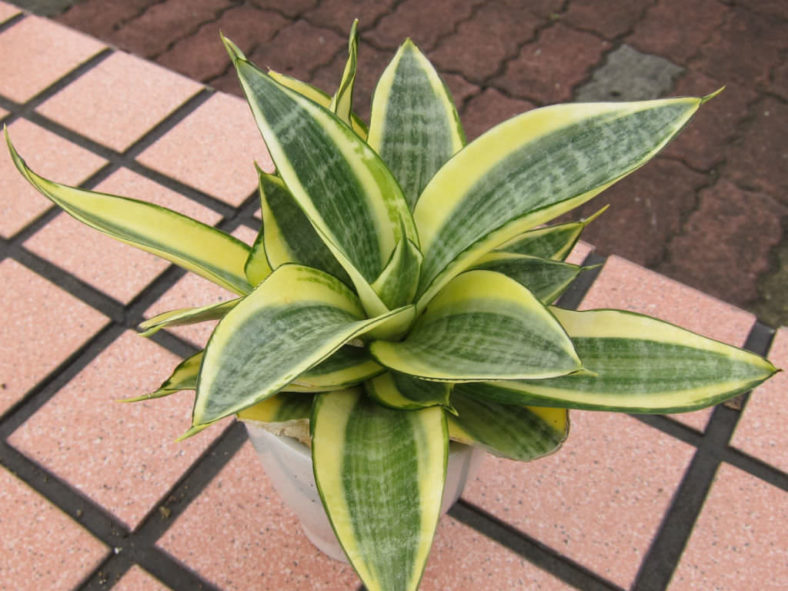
(347, 367)
(545, 278)
(316, 96)
(295, 319)
(342, 101)
(514, 432)
(195, 246)
(531, 169)
(397, 284)
(186, 316)
(552, 242)
(401, 391)
(184, 377)
(414, 125)
(482, 326)
(257, 267)
(289, 237)
(380, 473)
(642, 365)
(339, 182)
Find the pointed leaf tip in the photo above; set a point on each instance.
(232, 49)
(712, 95)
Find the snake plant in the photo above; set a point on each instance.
(400, 293)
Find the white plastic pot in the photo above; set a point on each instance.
(288, 465)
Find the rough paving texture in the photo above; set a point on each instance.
(96, 495)
(502, 57)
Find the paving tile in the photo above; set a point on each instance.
(629, 75)
(769, 7)
(119, 270)
(463, 559)
(119, 100)
(731, 235)
(299, 48)
(738, 539)
(339, 14)
(47, 154)
(49, 550)
(744, 48)
(137, 579)
(547, 69)
(488, 109)
(100, 18)
(647, 208)
(7, 11)
(678, 39)
(599, 500)
(123, 456)
(757, 159)
(761, 430)
(480, 45)
(579, 252)
(609, 18)
(150, 33)
(245, 25)
(188, 292)
(36, 53)
(701, 143)
(627, 286)
(256, 542)
(291, 8)
(424, 22)
(29, 348)
(213, 150)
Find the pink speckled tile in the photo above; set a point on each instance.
(30, 348)
(47, 154)
(213, 150)
(41, 547)
(739, 540)
(137, 579)
(192, 291)
(579, 253)
(36, 53)
(628, 286)
(599, 500)
(124, 456)
(255, 541)
(463, 559)
(119, 100)
(7, 11)
(761, 429)
(119, 270)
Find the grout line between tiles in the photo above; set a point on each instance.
(12, 21)
(139, 547)
(529, 548)
(664, 554)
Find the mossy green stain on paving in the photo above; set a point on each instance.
(554, 168)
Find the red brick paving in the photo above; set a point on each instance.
(504, 55)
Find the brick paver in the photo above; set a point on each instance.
(502, 54)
